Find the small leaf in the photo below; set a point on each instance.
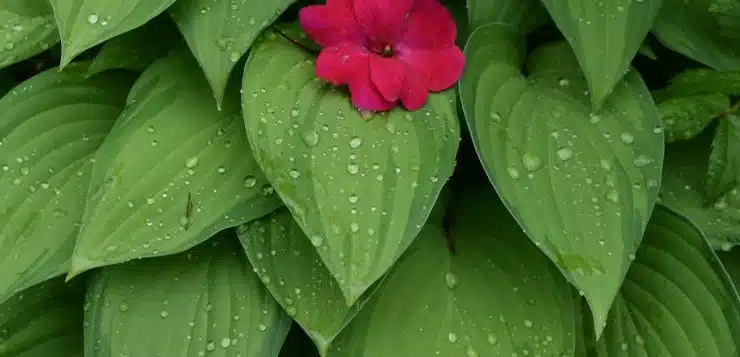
(292, 270)
(686, 117)
(84, 24)
(605, 36)
(581, 184)
(360, 188)
(692, 29)
(45, 320)
(220, 32)
(137, 49)
(498, 295)
(172, 172)
(702, 81)
(525, 15)
(206, 301)
(724, 160)
(676, 301)
(27, 29)
(46, 150)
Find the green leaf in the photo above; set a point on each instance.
(292, 270)
(676, 301)
(687, 116)
(361, 188)
(526, 15)
(220, 32)
(723, 173)
(702, 81)
(581, 184)
(497, 295)
(172, 172)
(605, 36)
(137, 49)
(692, 29)
(46, 150)
(84, 24)
(682, 189)
(206, 301)
(27, 29)
(45, 320)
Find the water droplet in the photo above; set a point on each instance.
(495, 116)
(294, 113)
(492, 339)
(612, 196)
(565, 154)
(354, 227)
(353, 198)
(353, 169)
(624, 347)
(470, 352)
(123, 307)
(221, 169)
(225, 342)
(452, 337)
(563, 82)
(294, 174)
(642, 161)
(528, 323)
(531, 162)
(210, 346)
(310, 138)
(92, 19)
(513, 172)
(191, 162)
(262, 327)
(250, 181)
(627, 138)
(317, 241)
(355, 142)
(451, 280)
(164, 313)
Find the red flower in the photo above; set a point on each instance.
(385, 50)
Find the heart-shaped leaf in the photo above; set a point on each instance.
(205, 301)
(27, 29)
(172, 172)
(676, 301)
(605, 36)
(360, 188)
(220, 32)
(496, 296)
(581, 184)
(46, 151)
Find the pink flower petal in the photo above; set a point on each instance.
(330, 24)
(364, 94)
(382, 21)
(414, 93)
(430, 25)
(387, 75)
(440, 68)
(337, 64)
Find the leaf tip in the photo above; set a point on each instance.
(79, 265)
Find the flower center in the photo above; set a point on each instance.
(387, 51)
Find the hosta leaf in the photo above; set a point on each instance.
(206, 301)
(692, 29)
(292, 270)
(699, 81)
(220, 32)
(676, 301)
(87, 23)
(581, 184)
(523, 14)
(497, 295)
(682, 190)
(46, 150)
(137, 49)
(605, 36)
(172, 172)
(686, 117)
(724, 160)
(360, 188)
(45, 320)
(26, 28)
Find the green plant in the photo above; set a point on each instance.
(177, 178)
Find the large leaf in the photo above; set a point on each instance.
(702, 81)
(45, 320)
(724, 161)
(50, 127)
(172, 172)
(693, 29)
(292, 270)
(581, 184)
(676, 301)
(685, 117)
(526, 15)
(220, 32)
(86, 23)
(684, 179)
(26, 29)
(360, 188)
(496, 296)
(605, 36)
(204, 301)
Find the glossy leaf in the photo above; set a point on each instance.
(360, 187)
(220, 32)
(497, 295)
(84, 24)
(172, 172)
(702, 81)
(206, 301)
(45, 320)
(581, 184)
(605, 36)
(526, 15)
(687, 116)
(46, 156)
(292, 270)
(676, 301)
(693, 29)
(137, 49)
(724, 160)
(27, 28)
